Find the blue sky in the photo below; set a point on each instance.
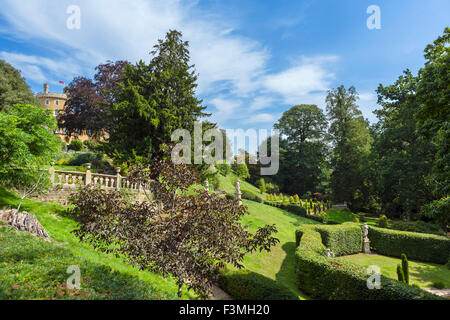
(255, 58)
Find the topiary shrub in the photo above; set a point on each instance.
(383, 221)
(247, 285)
(249, 195)
(405, 268)
(343, 239)
(293, 208)
(400, 274)
(417, 246)
(328, 278)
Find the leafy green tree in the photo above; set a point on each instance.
(13, 88)
(434, 114)
(302, 148)
(153, 100)
(433, 117)
(27, 144)
(242, 171)
(351, 143)
(400, 160)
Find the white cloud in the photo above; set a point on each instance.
(262, 118)
(37, 69)
(304, 79)
(367, 104)
(232, 69)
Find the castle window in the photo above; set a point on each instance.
(57, 102)
(47, 102)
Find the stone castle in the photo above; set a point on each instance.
(56, 102)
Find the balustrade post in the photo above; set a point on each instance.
(118, 178)
(88, 175)
(51, 171)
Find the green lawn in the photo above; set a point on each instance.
(278, 264)
(228, 184)
(59, 226)
(422, 274)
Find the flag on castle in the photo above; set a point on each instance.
(61, 82)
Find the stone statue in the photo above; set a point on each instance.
(366, 241)
(329, 254)
(238, 192)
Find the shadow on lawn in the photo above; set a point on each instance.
(286, 274)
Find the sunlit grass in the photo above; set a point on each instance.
(421, 273)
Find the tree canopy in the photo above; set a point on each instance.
(13, 88)
(27, 143)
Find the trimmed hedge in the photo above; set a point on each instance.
(249, 195)
(417, 246)
(328, 278)
(247, 285)
(343, 239)
(418, 226)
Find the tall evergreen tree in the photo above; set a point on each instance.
(155, 99)
(351, 143)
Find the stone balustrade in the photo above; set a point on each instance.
(74, 179)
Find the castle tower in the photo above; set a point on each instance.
(52, 101)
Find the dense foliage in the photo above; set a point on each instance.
(246, 285)
(417, 246)
(325, 278)
(27, 144)
(188, 236)
(13, 88)
(343, 239)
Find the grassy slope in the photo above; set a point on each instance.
(58, 225)
(422, 274)
(279, 263)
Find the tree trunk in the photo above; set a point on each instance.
(24, 221)
(180, 286)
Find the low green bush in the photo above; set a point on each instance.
(249, 195)
(383, 221)
(417, 246)
(327, 278)
(247, 285)
(343, 239)
(224, 168)
(82, 158)
(295, 209)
